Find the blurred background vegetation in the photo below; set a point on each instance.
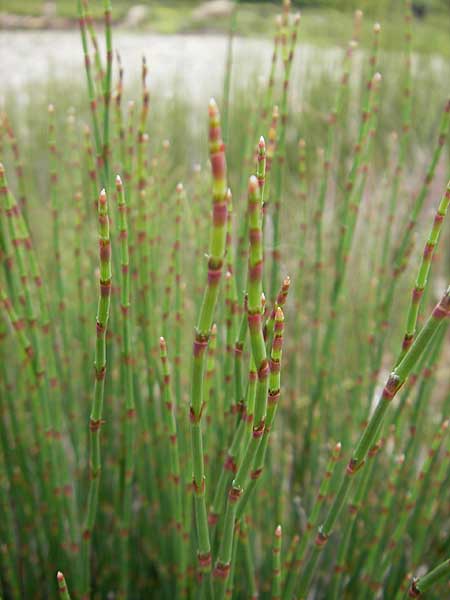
(327, 22)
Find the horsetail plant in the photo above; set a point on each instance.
(325, 192)
(424, 269)
(254, 312)
(96, 417)
(203, 329)
(62, 586)
(393, 384)
(422, 584)
(129, 413)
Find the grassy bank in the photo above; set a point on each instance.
(321, 26)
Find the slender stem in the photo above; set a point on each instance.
(215, 262)
(96, 417)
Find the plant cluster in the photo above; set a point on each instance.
(206, 461)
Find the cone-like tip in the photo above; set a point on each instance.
(252, 184)
(212, 107)
(286, 281)
(118, 182)
(228, 275)
(278, 531)
(2, 169)
(51, 108)
(229, 195)
(445, 424)
(262, 142)
(166, 144)
(279, 316)
(376, 28)
(102, 196)
(338, 447)
(377, 77)
(358, 14)
(59, 576)
(214, 329)
(145, 137)
(162, 344)
(179, 187)
(352, 44)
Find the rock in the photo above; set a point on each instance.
(136, 15)
(214, 9)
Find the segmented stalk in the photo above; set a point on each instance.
(129, 411)
(299, 552)
(288, 56)
(107, 80)
(422, 584)
(63, 590)
(276, 564)
(254, 310)
(272, 406)
(90, 86)
(423, 272)
(174, 474)
(96, 417)
(393, 384)
(202, 332)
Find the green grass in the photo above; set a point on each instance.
(348, 212)
(323, 26)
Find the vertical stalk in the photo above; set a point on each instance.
(215, 262)
(129, 412)
(96, 417)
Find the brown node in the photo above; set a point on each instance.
(204, 560)
(256, 473)
(321, 539)
(354, 466)
(100, 373)
(213, 518)
(234, 494)
(198, 489)
(407, 341)
(230, 464)
(263, 371)
(221, 570)
(258, 430)
(214, 272)
(95, 424)
(392, 386)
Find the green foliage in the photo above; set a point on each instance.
(206, 449)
